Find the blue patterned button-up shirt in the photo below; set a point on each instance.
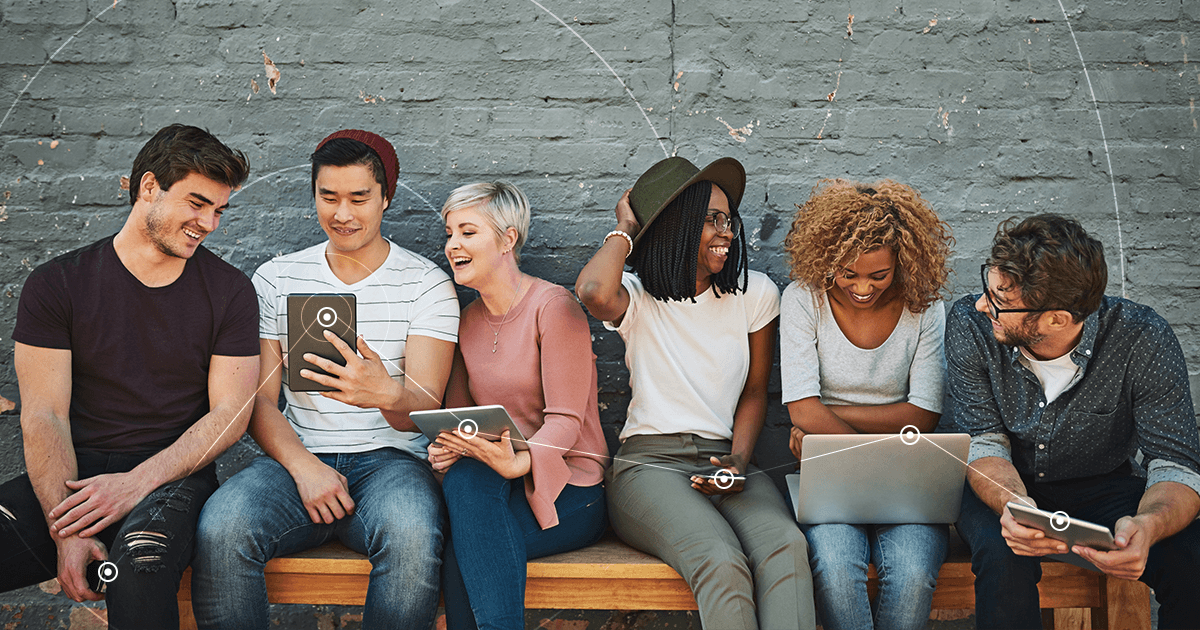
(1132, 392)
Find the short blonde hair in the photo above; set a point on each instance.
(502, 204)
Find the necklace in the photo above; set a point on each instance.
(496, 330)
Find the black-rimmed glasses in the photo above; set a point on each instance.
(994, 310)
(724, 222)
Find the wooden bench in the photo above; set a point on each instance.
(612, 576)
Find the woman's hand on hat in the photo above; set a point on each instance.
(627, 221)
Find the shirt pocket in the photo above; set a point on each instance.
(1094, 443)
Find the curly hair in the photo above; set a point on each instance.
(843, 220)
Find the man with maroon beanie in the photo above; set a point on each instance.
(346, 464)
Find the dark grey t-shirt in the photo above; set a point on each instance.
(139, 355)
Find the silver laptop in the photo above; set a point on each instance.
(880, 478)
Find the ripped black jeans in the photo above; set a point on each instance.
(151, 546)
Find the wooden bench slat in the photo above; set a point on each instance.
(613, 576)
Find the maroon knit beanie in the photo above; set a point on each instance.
(381, 147)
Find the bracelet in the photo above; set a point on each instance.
(627, 237)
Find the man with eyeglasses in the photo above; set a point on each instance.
(1059, 386)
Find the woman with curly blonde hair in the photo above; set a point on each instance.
(861, 330)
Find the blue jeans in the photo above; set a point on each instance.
(148, 568)
(494, 533)
(1006, 594)
(257, 515)
(907, 558)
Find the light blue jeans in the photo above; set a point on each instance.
(907, 558)
(257, 515)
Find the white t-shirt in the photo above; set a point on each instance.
(406, 295)
(816, 358)
(688, 362)
(1055, 375)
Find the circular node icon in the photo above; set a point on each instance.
(468, 428)
(108, 572)
(724, 479)
(910, 434)
(1060, 521)
(326, 317)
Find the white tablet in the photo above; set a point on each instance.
(1073, 531)
(487, 422)
(1060, 526)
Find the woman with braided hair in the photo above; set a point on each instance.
(861, 333)
(699, 331)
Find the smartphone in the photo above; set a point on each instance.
(309, 316)
(93, 578)
(723, 479)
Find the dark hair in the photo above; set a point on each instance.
(177, 151)
(349, 152)
(665, 259)
(1054, 262)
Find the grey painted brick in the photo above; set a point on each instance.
(31, 119)
(1170, 47)
(98, 44)
(144, 13)
(23, 50)
(92, 190)
(578, 158)
(520, 122)
(1152, 122)
(50, 12)
(701, 13)
(44, 154)
(89, 121)
(1142, 163)
(1142, 86)
(1111, 46)
(219, 13)
(1133, 11)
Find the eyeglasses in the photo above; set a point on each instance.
(994, 310)
(723, 222)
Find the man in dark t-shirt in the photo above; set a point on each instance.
(136, 358)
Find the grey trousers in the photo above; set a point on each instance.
(742, 554)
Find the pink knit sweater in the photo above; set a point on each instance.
(544, 373)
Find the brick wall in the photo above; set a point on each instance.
(983, 105)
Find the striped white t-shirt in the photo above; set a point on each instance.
(407, 295)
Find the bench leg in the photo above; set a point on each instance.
(187, 620)
(1125, 604)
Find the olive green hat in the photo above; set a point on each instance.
(663, 182)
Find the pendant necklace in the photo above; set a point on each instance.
(496, 330)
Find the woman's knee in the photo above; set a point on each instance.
(469, 476)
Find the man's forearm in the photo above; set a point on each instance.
(275, 435)
(1168, 507)
(202, 443)
(49, 460)
(995, 481)
(405, 402)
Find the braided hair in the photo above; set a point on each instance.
(665, 259)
